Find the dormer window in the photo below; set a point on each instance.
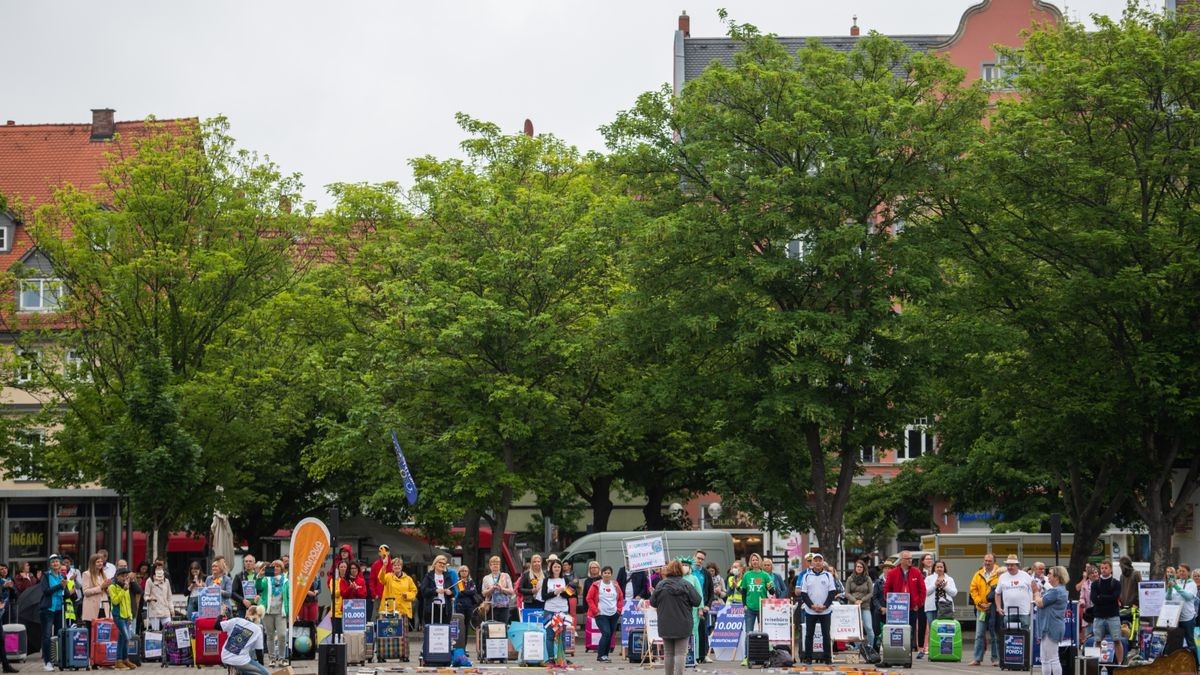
(40, 295)
(8, 229)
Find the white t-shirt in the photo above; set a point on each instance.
(1016, 590)
(818, 587)
(439, 581)
(556, 603)
(244, 637)
(606, 598)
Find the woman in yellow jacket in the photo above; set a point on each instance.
(122, 608)
(399, 589)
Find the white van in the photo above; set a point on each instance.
(607, 548)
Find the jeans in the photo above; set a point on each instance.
(985, 632)
(810, 623)
(50, 621)
(751, 620)
(608, 626)
(675, 650)
(123, 632)
(1050, 663)
(1108, 626)
(868, 629)
(253, 668)
(1187, 627)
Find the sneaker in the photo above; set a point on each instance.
(48, 667)
(603, 659)
(746, 662)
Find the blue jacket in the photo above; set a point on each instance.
(52, 592)
(1051, 614)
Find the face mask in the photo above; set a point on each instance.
(158, 574)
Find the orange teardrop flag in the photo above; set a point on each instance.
(310, 545)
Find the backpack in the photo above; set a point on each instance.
(780, 658)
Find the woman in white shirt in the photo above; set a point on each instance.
(938, 586)
(555, 590)
(604, 602)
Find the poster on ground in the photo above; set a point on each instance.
(632, 620)
(777, 620)
(845, 622)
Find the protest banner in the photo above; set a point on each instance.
(776, 616)
(354, 616)
(210, 602)
(632, 620)
(845, 622)
(646, 553)
(897, 608)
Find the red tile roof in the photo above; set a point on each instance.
(35, 159)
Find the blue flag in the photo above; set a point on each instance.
(410, 486)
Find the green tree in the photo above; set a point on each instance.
(160, 270)
(1079, 241)
(780, 268)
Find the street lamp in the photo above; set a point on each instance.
(714, 512)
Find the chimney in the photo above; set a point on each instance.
(528, 130)
(685, 24)
(854, 28)
(103, 126)
(11, 123)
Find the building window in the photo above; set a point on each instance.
(40, 295)
(917, 440)
(5, 238)
(996, 73)
(75, 368)
(868, 455)
(796, 247)
(28, 446)
(27, 364)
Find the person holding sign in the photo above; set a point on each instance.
(245, 636)
(675, 600)
(1052, 602)
(817, 590)
(273, 594)
(219, 579)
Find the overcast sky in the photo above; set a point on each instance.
(349, 90)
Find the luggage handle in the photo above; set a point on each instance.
(1012, 617)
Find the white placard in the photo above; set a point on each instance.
(1151, 595)
(182, 637)
(496, 648)
(818, 639)
(652, 635)
(846, 622)
(439, 638)
(645, 554)
(533, 646)
(776, 616)
(1168, 617)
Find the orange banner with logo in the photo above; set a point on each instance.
(310, 546)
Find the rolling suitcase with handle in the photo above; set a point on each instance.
(758, 649)
(945, 640)
(72, 649)
(104, 643)
(177, 643)
(1016, 652)
(491, 641)
(896, 647)
(437, 643)
(16, 641)
(391, 642)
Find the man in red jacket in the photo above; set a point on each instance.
(374, 585)
(905, 578)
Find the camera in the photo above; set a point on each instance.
(269, 571)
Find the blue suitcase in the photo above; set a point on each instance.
(74, 648)
(437, 640)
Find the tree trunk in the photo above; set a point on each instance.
(601, 503)
(830, 509)
(652, 511)
(470, 541)
(1157, 503)
(1092, 501)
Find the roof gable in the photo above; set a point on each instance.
(700, 52)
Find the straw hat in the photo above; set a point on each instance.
(1012, 559)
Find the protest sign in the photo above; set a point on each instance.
(897, 608)
(1151, 595)
(776, 616)
(645, 554)
(845, 622)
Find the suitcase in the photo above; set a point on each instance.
(637, 647)
(356, 647)
(517, 633)
(945, 640)
(758, 649)
(133, 650)
(491, 642)
(1016, 649)
(896, 647)
(152, 646)
(390, 639)
(177, 643)
(16, 641)
(437, 641)
(104, 643)
(210, 640)
(458, 631)
(73, 648)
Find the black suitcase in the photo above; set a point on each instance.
(1016, 650)
(758, 649)
(637, 647)
(437, 635)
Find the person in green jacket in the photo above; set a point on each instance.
(273, 598)
(122, 609)
(699, 586)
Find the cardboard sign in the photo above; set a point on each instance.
(495, 648)
(652, 635)
(104, 631)
(211, 642)
(439, 638)
(1014, 649)
(845, 622)
(153, 648)
(1169, 616)
(632, 621)
(776, 619)
(1151, 595)
(533, 646)
(249, 590)
(183, 637)
(730, 623)
(645, 554)
(354, 615)
(897, 608)
(210, 602)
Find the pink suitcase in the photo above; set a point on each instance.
(591, 637)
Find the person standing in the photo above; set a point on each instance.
(982, 587)
(674, 599)
(1130, 578)
(879, 602)
(1052, 602)
(1015, 589)
(858, 591)
(755, 585)
(817, 590)
(381, 565)
(604, 602)
(1105, 596)
(707, 593)
(904, 578)
(7, 606)
(399, 590)
(219, 579)
(158, 598)
(273, 591)
(436, 592)
(244, 587)
(50, 608)
(498, 589)
(122, 611)
(939, 588)
(530, 586)
(1181, 589)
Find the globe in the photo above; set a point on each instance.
(302, 644)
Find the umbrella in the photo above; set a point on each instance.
(27, 604)
(222, 538)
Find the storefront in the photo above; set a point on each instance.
(37, 521)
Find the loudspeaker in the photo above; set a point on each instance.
(1056, 531)
(331, 659)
